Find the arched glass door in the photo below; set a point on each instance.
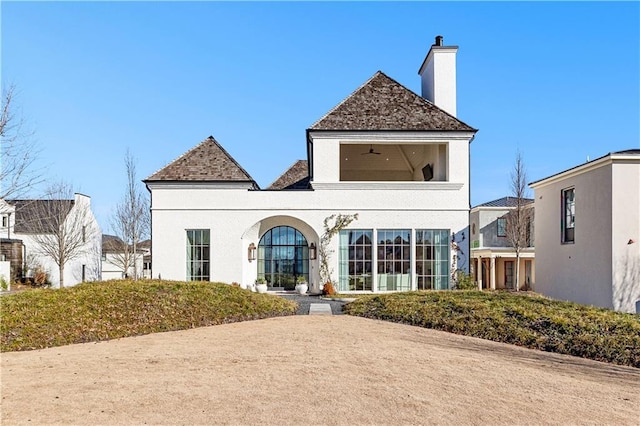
(283, 255)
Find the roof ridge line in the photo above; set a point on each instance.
(427, 100)
(179, 157)
(211, 138)
(285, 172)
(348, 96)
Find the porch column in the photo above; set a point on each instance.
(479, 272)
(493, 273)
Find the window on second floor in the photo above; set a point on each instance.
(568, 223)
(5, 221)
(502, 227)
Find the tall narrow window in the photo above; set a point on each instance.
(394, 260)
(502, 227)
(568, 215)
(5, 221)
(432, 259)
(198, 255)
(355, 260)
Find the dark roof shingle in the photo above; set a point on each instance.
(296, 177)
(382, 103)
(206, 162)
(39, 216)
(505, 202)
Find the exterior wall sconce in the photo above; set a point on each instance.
(251, 252)
(313, 252)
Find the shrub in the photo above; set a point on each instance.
(521, 319)
(121, 308)
(328, 289)
(465, 281)
(4, 285)
(40, 278)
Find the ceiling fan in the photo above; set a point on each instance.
(371, 151)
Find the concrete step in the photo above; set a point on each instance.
(319, 309)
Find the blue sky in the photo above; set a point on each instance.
(558, 81)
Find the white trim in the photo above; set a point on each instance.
(397, 137)
(376, 185)
(200, 185)
(586, 167)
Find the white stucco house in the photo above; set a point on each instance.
(587, 232)
(397, 159)
(493, 258)
(26, 223)
(114, 259)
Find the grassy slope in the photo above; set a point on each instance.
(531, 321)
(100, 311)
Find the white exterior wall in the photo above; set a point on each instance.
(439, 78)
(579, 271)
(73, 268)
(111, 270)
(239, 217)
(625, 257)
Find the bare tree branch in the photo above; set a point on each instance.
(60, 226)
(18, 151)
(130, 221)
(518, 220)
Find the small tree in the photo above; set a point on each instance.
(17, 151)
(60, 227)
(518, 219)
(332, 225)
(130, 222)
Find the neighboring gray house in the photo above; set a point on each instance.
(493, 259)
(588, 232)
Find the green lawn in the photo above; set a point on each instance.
(525, 320)
(35, 319)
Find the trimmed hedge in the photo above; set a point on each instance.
(521, 319)
(90, 312)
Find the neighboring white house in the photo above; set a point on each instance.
(25, 222)
(114, 259)
(588, 232)
(398, 160)
(493, 257)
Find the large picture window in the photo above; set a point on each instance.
(198, 255)
(355, 260)
(394, 260)
(568, 215)
(283, 256)
(432, 259)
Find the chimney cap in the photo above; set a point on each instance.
(439, 39)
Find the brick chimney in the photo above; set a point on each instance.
(438, 73)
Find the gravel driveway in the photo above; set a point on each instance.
(308, 370)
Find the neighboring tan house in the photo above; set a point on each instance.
(493, 257)
(588, 233)
(114, 259)
(28, 221)
(397, 159)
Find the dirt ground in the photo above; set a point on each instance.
(312, 370)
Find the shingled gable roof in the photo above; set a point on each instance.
(35, 216)
(206, 162)
(296, 177)
(505, 202)
(382, 103)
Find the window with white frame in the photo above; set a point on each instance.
(355, 260)
(568, 215)
(5, 221)
(394, 260)
(198, 254)
(432, 259)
